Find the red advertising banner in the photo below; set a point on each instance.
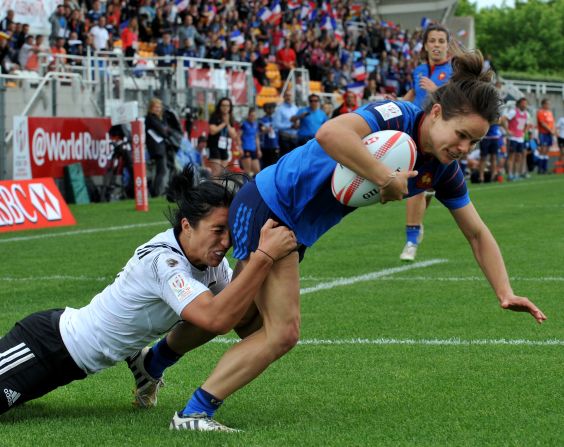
(234, 81)
(139, 166)
(31, 204)
(53, 143)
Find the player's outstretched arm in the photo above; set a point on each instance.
(220, 313)
(488, 255)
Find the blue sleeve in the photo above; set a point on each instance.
(390, 115)
(451, 188)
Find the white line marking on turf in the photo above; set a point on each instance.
(415, 342)
(85, 231)
(469, 278)
(55, 278)
(369, 276)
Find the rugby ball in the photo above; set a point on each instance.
(395, 149)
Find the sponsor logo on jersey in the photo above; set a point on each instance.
(11, 396)
(442, 76)
(180, 286)
(171, 262)
(388, 111)
(425, 181)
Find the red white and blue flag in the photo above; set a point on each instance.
(359, 71)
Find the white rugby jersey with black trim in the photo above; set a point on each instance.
(144, 301)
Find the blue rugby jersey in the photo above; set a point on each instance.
(439, 74)
(298, 188)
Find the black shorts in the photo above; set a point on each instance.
(489, 147)
(247, 214)
(560, 143)
(218, 154)
(34, 360)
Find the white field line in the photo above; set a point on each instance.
(305, 278)
(414, 342)
(510, 185)
(77, 232)
(338, 282)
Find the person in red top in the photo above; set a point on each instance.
(129, 38)
(349, 104)
(286, 59)
(545, 121)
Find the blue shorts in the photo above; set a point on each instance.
(247, 214)
(250, 154)
(489, 146)
(545, 139)
(516, 147)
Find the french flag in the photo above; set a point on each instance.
(181, 5)
(237, 37)
(357, 88)
(211, 11)
(293, 5)
(359, 71)
(326, 7)
(425, 22)
(328, 23)
(275, 13)
(264, 13)
(340, 34)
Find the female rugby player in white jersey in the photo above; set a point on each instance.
(179, 275)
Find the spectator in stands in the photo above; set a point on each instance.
(309, 119)
(58, 24)
(166, 53)
(7, 65)
(160, 25)
(100, 34)
(515, 123)
(215, 49)
(145, 30)
(222, 134)
(286, 59)
(350, 103)
(25, 51)
(250, 142)
(545, 122)
(372, 91)
(5, 23)
(59, 51)
(147, 9)
(329, 84)
(96, 12)
(130, 39)
(259, 67)
(156, 132)
(188, 31)
(22, 35)
(270, 147)
(283, 124)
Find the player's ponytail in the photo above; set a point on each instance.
(469, 90)
(195, 196)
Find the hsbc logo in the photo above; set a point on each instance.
(28, 202)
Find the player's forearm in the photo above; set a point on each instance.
(490, 260)
(231, 304)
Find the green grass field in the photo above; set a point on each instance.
(407, 355)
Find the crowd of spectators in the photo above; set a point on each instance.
(338, 41)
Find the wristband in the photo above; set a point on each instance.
(262, 251)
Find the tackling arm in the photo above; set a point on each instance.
(487, 254)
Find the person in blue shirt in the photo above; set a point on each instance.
(282, 122)
(269, 144)
(251, 144)
(296, 192)
(427, 77)
(310, 119)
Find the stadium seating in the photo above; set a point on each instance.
(268, 95)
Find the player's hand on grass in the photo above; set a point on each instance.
(521, 304)
(276, 241)
(396, 187)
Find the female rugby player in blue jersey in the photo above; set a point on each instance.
(296, 192)
(428, 76)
